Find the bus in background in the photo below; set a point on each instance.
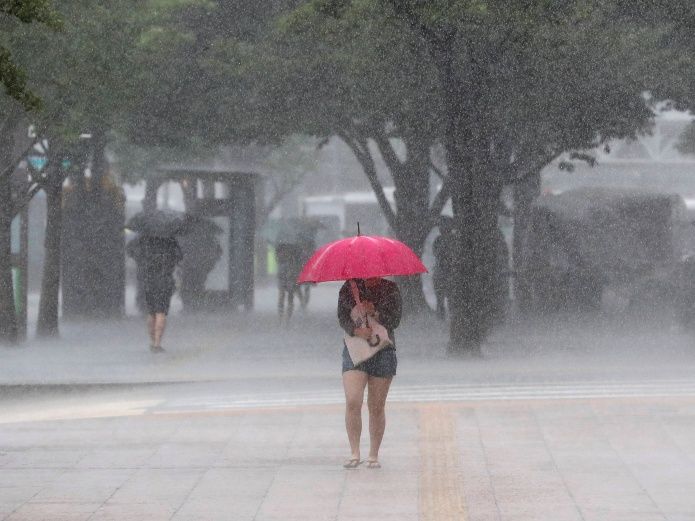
(340, 214)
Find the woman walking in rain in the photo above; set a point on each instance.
(157, 258)
(369, 309)
(364, 305)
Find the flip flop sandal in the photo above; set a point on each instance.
(351, 463)
(373, 464)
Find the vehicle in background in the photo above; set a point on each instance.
(340, 213)
(585, 244)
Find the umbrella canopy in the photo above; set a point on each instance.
(361, 257)
(201, 225)
(160, 223)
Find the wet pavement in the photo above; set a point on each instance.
(242, 419)
(569, 459)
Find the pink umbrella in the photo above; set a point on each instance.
(361, 257)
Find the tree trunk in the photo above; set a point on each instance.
(149, 202)
(8, 315)
(413, 218)
(47, 325)
(524, 194)
(99, 164)
(471, 302)
(189, 189)
(475, 197)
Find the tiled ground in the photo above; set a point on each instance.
(592, 460)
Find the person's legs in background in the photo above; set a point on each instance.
(281, 302)
(293, 288)
(150, 327)
(160, 322)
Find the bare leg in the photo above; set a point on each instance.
(160, 322)
(354, 383)
(376, 401)
(150, 328)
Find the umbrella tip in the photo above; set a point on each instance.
(358, 229)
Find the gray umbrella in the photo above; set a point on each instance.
(160, 223)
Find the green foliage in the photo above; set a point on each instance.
(29, 11)
(12, 77)
(86, 74)
(15, 82)
(534, 76)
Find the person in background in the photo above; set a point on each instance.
(380, 298)
(157, 258)
(289, 259)
(201, 252)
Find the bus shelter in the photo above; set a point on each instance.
(228, 199)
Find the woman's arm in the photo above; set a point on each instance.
(390, 306)
(345, 305)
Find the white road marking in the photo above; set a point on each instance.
(444, 393)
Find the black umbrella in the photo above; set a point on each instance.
(200, 224)
(160, 223)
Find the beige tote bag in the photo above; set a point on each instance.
(359, 348)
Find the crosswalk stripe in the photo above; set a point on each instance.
(468, 392)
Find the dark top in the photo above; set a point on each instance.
(157, 258)
(386, 298)
(289, 262)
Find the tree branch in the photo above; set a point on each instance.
(437, 171)
(440, 200)
(21, 203)
(10, 169)
(389, 154)
(361, 151)
(519, 175)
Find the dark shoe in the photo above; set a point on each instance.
(157, 349)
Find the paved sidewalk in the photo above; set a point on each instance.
(590, 460)
(242, 419)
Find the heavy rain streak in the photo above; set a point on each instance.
(347, 260)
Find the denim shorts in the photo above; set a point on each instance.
(382, 365)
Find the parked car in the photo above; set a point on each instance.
(585, 242)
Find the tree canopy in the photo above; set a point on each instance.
(12, 76)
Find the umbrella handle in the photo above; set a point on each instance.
(356, 296)
(355, 291)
